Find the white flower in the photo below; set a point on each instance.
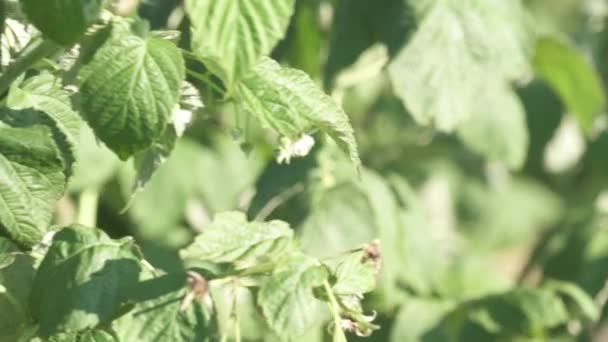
(299, 148)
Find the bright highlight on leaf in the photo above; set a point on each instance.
(569, 73)
(290, 103)
(230, 36)
(146, 76)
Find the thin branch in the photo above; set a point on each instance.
(278, 200)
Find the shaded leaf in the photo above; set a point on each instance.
(32, 176)
(157, 315)
(46, 94)
(63, 21)
(93, 274)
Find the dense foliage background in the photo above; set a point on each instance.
(483, 139)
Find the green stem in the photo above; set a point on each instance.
(87, 207)
(205, 79)
(35, 51)
(334, 307)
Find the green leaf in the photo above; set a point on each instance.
(63, 21)
(93, 273)
(354, 275)
(440, 73)
(230, 36)
(129, 91)
(417, 318)
(585, 304)
(46, 94)
(231, 239)
(287, 298)
(95, 163)
(157, 315)
(497, 127)
(32, 176)
(16, 280)
(289, 102)
(7, 248)
(572, 76)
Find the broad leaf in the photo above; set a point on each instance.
(231, 239)
(93, 274)
(442, 70)
(129, 91)
(287, 299)
(289, 102)
(497, 126)
(573, 77)
(32, 176)
(157, 315)
(46, 94)
(63, 21)
(230, 36)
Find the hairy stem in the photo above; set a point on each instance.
(36, 50)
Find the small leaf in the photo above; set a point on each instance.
(129, 91)
(32, 176)
(63, 21)
(231, 239)
(289, 102)
(157, 315)
(354, 275)
(287, 299)
(569, 73)
(230, 36)
(92, 272)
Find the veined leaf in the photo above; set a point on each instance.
(287, 299)
(354, 275)
(32, 176)
(129, 91)
(157, 315)
(45, 93)
(289, 102)
(93, 274)
(63, 21)
(572, 77)
(231, 35)
(441, 71)
(231, 239)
